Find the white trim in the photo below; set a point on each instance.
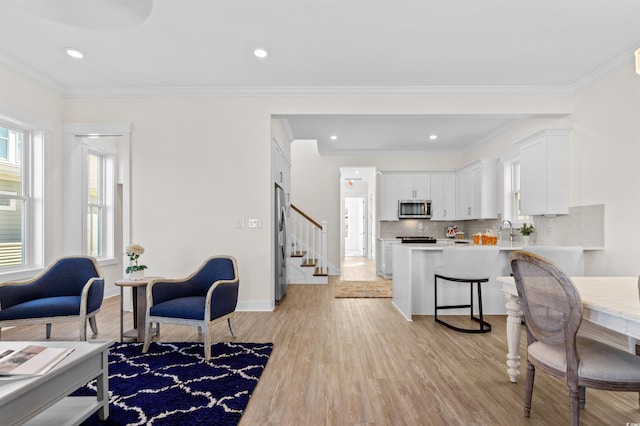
(23, 118)
(255, 306)
(207, 91)
(72, 131)
(33, 75)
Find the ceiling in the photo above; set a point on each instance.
(159, 47)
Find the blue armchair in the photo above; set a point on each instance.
(204, 298)
(70, 289)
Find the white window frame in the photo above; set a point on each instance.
(37, 132)
(77, 137)
(106, 203)
(511, 187)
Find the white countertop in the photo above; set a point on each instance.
(440, 244)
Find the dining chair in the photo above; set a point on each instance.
(552, 309)
(569, 258)
(470, 265)
(205, 297)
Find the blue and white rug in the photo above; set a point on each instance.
(172, 384)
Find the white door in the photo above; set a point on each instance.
(354, 226)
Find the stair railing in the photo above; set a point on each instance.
(310, 237)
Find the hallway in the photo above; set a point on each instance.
(357, 268)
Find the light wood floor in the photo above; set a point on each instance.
(358, 362)
(353, 268)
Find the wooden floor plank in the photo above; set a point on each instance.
(358, 362)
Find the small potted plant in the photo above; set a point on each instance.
(526, 231)
(134, 270)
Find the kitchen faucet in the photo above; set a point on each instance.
(510, 228)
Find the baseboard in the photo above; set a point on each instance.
(255, 306)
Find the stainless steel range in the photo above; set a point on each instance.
(417, 240)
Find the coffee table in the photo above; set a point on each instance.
(45, 400)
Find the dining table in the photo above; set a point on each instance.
(610, 302)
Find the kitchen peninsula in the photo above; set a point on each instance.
(413, 277)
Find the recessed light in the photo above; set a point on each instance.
(333, 137)
(260, 53)
(433, 137)
(76, 54)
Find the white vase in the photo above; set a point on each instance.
(136, 275)
(525, 240)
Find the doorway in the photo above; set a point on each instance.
(354, 226)
(357, 229)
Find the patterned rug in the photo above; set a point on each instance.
(173, 385)
(363, 289)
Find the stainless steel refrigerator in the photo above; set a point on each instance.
(281, 243)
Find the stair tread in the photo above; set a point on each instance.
(320, 273)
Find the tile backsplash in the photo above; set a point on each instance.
(583, 226)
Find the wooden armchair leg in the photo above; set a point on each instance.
(94, 325)
(48, 330)
(207, 342)
(231, 328)
(147, 337)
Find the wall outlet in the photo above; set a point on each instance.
(255, 223)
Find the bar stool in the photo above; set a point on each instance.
(472, 265)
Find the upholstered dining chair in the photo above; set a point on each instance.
(207, 296)
(69, 289)
(552, 310)
(470, 265)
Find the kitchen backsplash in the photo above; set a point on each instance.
(583, 226)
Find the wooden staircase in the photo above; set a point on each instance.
(308, 258)
(310, 263)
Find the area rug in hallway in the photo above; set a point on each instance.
(362, 289)
(172, 384)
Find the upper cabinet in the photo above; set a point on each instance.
(388, 197)
(401, 186)
(414, 187)
(544, 173)
(443, 196)
(477, 190)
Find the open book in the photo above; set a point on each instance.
(31, 360)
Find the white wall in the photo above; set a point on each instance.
(198, 163)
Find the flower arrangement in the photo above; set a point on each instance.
(526, 230)
(134, 251)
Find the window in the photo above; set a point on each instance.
(512, 193)
(19, 232)
(100, 184)
(96, 186)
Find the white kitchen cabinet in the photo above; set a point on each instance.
(477, 190)
(414, 187)
(544, 173)
(387, 257)
(388, 197)
(443, 196)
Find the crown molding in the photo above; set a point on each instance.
(33, 75)
(269, 91)
(626, 58)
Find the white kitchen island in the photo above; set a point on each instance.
(413, 277)
(413, 281)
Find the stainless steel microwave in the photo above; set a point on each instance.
(414, 209)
